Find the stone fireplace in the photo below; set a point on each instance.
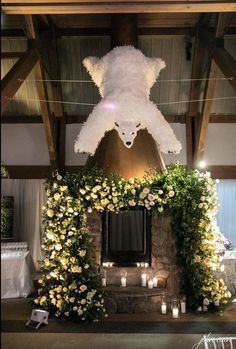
(134, 297)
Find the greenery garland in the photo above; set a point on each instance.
(70, 285)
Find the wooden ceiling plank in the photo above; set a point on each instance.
(16, 76)
(79, 7)
(48, 121)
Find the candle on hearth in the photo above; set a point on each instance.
(183, 305)
(144, 279)
(104, 278)
(154, 281)
(150, 283)
(175, 312)
(163, 309)
(123, 281)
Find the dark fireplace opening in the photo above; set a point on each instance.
(126, 237)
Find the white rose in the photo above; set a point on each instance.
(82, 191)
(50, 213)
(83, 301)
(131, 180)
(80, 312)
(132, 203)
(160, 209)
(56, 196)
(171, 193)
(146, 190)
(83, 288)
(206, 301)
(59, 177)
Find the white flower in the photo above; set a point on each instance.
(202, 198)
(199, 309)
(56, 196)
(82, 191)
(204, 308)
(66, 313)
(200, 205)
(217, 303)
(171, 193)
(151, 197)
(131, 180)
(50, 213)
(160, 192)
(59, 177)
(82, 253)
(160, 209)
(80, 312)
(83, 288)
(75, 307)
(49, 236)
(70, 210)
(132, 203)
(76, 269)
(146, 191)
(83, 301)
(206, 301)
(72, 299)
(90, 210)
(86, 266)
(142, 195)
(133, 191)
(151, 203)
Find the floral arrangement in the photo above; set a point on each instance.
(70, 285)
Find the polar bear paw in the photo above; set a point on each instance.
(171, 148)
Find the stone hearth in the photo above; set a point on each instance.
(135, 298)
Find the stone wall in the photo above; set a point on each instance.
(163, 261)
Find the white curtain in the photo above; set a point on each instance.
(29, 197)
(226, 217)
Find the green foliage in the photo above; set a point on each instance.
(70, 285)
(7, 215)
(4, 173)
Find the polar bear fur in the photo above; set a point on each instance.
(124, 78)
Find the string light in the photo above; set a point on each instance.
(90, 81)
(163, 103)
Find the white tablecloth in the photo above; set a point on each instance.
(16, 275)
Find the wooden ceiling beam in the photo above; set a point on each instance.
(115, 6)
(16, 76)
(48, 121)
(43, 172)
(202, 129)
(10, 55)
(222, 58)
(194, 94)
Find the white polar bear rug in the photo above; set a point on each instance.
(124, 77)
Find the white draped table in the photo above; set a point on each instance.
(16, 274)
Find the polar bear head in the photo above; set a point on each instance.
(127, 131)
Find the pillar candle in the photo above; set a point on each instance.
(154, 281)
(144, 279)
(150, 283)
(123, 281)
(163, 309)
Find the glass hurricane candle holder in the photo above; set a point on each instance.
(183, 305)
(104, 278)
(175, 312)
(163, 306)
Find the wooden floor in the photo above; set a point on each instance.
(118, 331)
